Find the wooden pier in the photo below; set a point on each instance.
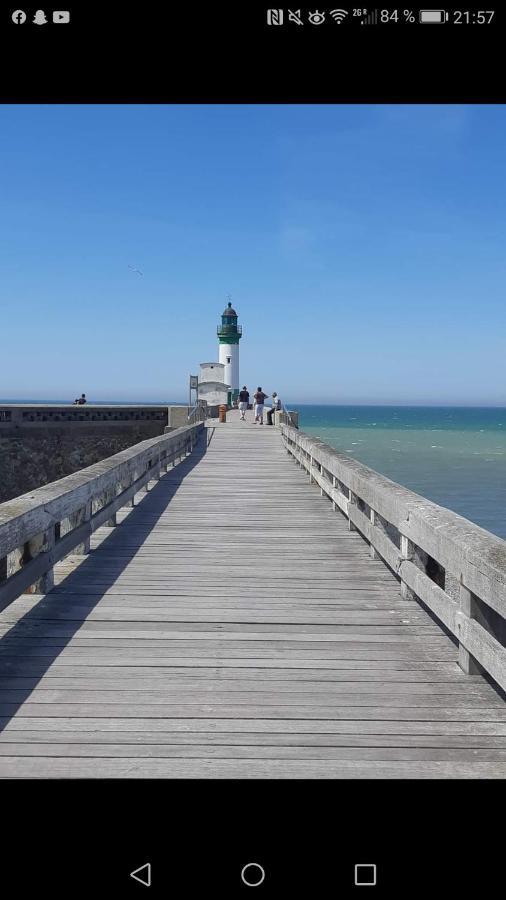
(233, 621)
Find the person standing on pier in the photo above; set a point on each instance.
(276, 405)
(259, 398)
(243, 402)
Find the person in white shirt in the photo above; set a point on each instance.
(276, 405)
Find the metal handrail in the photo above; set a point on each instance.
(199, 407)
(288, 413)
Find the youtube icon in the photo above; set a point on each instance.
(61, 16)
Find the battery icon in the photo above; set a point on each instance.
(432, 16)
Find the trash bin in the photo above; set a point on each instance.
(222, 411)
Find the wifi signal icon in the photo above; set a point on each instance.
(338, 15)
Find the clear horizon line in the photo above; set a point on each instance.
(379, 404)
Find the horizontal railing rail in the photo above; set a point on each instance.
(456, 568)
(40, 528)
(228, 329)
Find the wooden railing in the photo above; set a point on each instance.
(40, 528)
(456, 568)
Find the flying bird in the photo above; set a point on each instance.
(134, 270)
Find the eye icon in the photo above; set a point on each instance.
(316, 17)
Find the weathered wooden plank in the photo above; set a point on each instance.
(118, 725)
(105, 739)
(50, 767)
(366, 670)
(166, 656)
(253, 752)
(474, 712)
(234, 684)
(332, 701)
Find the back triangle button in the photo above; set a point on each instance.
(142, 874)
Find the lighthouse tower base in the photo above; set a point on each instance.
(229, 357)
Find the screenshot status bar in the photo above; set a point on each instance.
(318, 17)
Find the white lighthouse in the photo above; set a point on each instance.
(229, 335)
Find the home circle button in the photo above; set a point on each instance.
(253, 874)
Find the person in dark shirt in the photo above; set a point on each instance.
(243, 402)
(259, 398)
(82, 399)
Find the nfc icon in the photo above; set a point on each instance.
(274, 16)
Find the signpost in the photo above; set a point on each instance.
(194, 384)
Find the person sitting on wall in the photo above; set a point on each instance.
(276, 405)
(82, 399)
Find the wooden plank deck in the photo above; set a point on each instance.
(232, 626)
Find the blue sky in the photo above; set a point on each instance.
(364, 248)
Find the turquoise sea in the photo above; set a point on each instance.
(456, 456)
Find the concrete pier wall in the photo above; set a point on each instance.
(41, 443)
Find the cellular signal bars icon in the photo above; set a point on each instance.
(371, 19)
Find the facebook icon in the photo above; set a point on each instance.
(19, 17)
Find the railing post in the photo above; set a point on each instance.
(352, 501)
(406, 553)
(84, 548)
(334, 487)
(311, 470)
(467, 662)
(110, 495)
(41, 544)
(372, 551)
